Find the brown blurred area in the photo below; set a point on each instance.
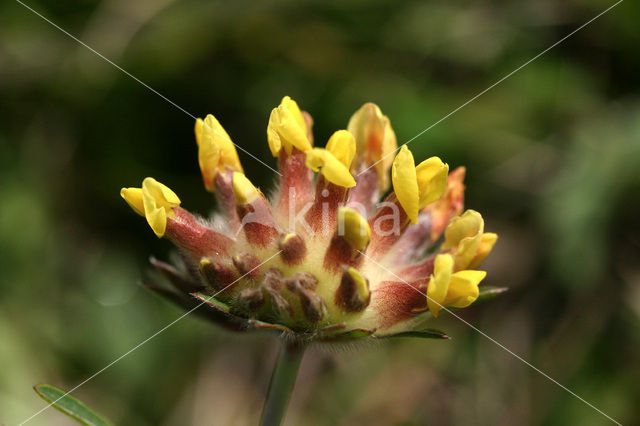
(552, 156)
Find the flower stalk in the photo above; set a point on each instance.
(282, 382)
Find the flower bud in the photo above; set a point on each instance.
(353, 294)
(215, 150)
(353, 228)
(247, 265)
(303, 285)
(375, 141)
(293, 249)
(216, 274)
(243, 189)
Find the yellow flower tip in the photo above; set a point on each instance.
(158, 203)
(487, 241)
(463, 288)
(133, 197)
(354, 228)
(432, 180)
(287, 128)
(361, 283)
(375, 140)
(323, 161)
(343, 146)
(439, 283)
(243, 189)
(216, 151)
(405, 183)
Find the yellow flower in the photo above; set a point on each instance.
(356, 229)
(287, 128)
(215, 150)
(415, 187)
(375, 140)
(446, 288)
(334, 160)
(154, 201)
(465, 235)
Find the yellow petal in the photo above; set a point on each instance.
(133, 197)
(157, 219)
(439, 283)
(161, 193)
(375, 140)
(243, 189)
(354, 228)
(405, 183)
(487, 242)
(208, 158)
(319, 159)
(158, 201)
(469, 224)
(463, 288)
(228, 153)
(293, 107)
(198, 130)
(287, 128)
(432, 180)
(342, 145)
(273, 137)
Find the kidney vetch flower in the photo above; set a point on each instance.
(321, 258)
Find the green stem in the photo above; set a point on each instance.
(281, 384)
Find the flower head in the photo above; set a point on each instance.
(321, 258)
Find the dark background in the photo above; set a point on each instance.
(553, 159)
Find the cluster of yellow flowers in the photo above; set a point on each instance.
(322, 257)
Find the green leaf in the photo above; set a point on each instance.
(213, 302)
(354, 334)
(489, 292)
(70, 406)
(269, 326)
(428, 333)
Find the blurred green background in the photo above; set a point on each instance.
(553, 158)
